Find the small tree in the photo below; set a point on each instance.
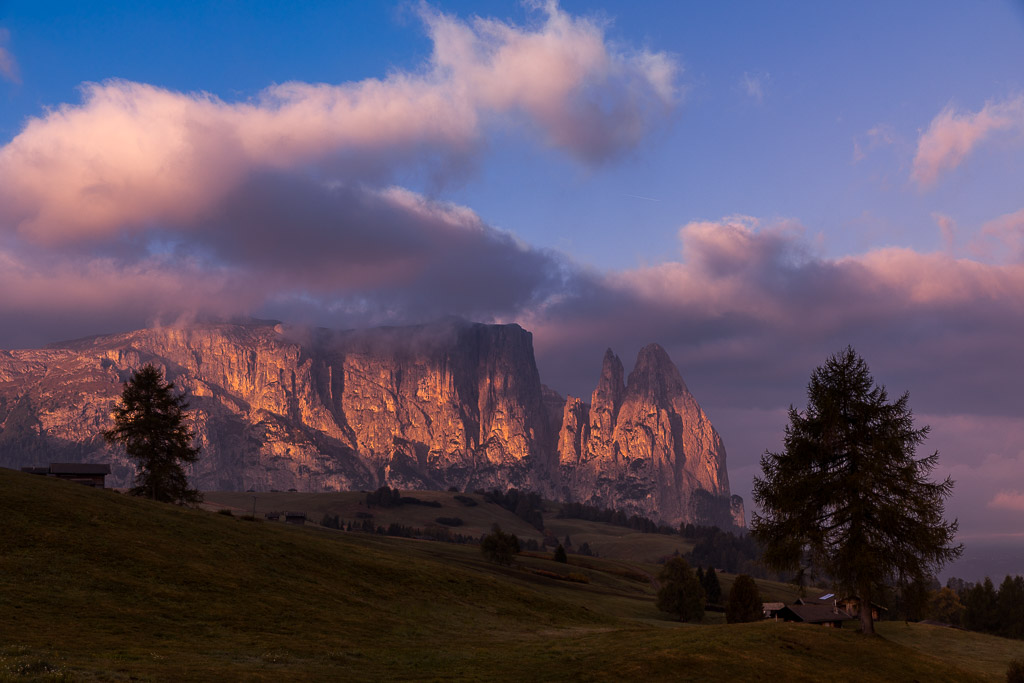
(847, 496)
(680, 593)
(744, 601)
(149, 423)
(712, 588)
(560, 555)
(944, 605)
(499, 547)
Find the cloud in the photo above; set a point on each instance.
(133, 155)
(953, 135)
(1001, 239)
(754, 85)
(8, 67)
(1008, 500)
(750, 308)
(882, 135)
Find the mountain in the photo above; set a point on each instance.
(432, 406)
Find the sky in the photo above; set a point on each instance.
(752, 185)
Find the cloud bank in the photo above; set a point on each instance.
(132, 154)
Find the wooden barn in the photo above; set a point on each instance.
(90, 474)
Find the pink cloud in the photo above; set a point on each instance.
(953, 135)
(1008, 500)
(1002, 238)
(132, 154)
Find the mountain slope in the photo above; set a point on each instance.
(97, 585)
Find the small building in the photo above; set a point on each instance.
(852, 606)
(825, 615)
(273, 516)
(771, 609)
(89, 474)
(295, 517)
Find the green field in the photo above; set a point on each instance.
(96, 585)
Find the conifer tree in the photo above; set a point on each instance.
(150, 424)
(680, 593)
(712, 588)
(847, 496)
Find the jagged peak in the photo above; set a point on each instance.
(655, 375)
(610, 387)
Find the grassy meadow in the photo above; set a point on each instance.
(95, 585)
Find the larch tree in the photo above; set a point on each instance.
(847, 497)
(150, 424)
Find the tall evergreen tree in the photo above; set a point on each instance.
(150, 424)
(847, 496)
(712, 588)
(1010, 607)
(980, 607)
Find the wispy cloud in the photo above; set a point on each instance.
(1008, 500)
(8, 66)
(754, 85)
(953, 135)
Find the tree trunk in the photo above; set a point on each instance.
(867, 624)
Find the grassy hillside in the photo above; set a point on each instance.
(99, 586)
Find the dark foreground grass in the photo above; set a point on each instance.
(99, 586)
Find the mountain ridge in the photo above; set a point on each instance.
(447, 404)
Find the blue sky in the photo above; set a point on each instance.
(753, 185)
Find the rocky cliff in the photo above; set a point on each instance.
(450, 404)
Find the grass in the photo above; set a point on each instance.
(100, 586)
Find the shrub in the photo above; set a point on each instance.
(578, 578)
(225, 511)
(681, 593)
(744, 601)
(468, 501)
(499, 547)
(449, 521)
(409, 500)
(1015, 672)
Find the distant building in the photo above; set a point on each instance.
(771, 609)
(90, 474)
(295, 517)
(825, 615)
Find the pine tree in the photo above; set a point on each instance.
(712, 588)
(560, 555)
(680, 592)
(149, 423)
(847, 496)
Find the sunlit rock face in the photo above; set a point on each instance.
(650, 449)
(448, 404)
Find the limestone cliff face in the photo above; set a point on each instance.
(451, 404)
(649, 447)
